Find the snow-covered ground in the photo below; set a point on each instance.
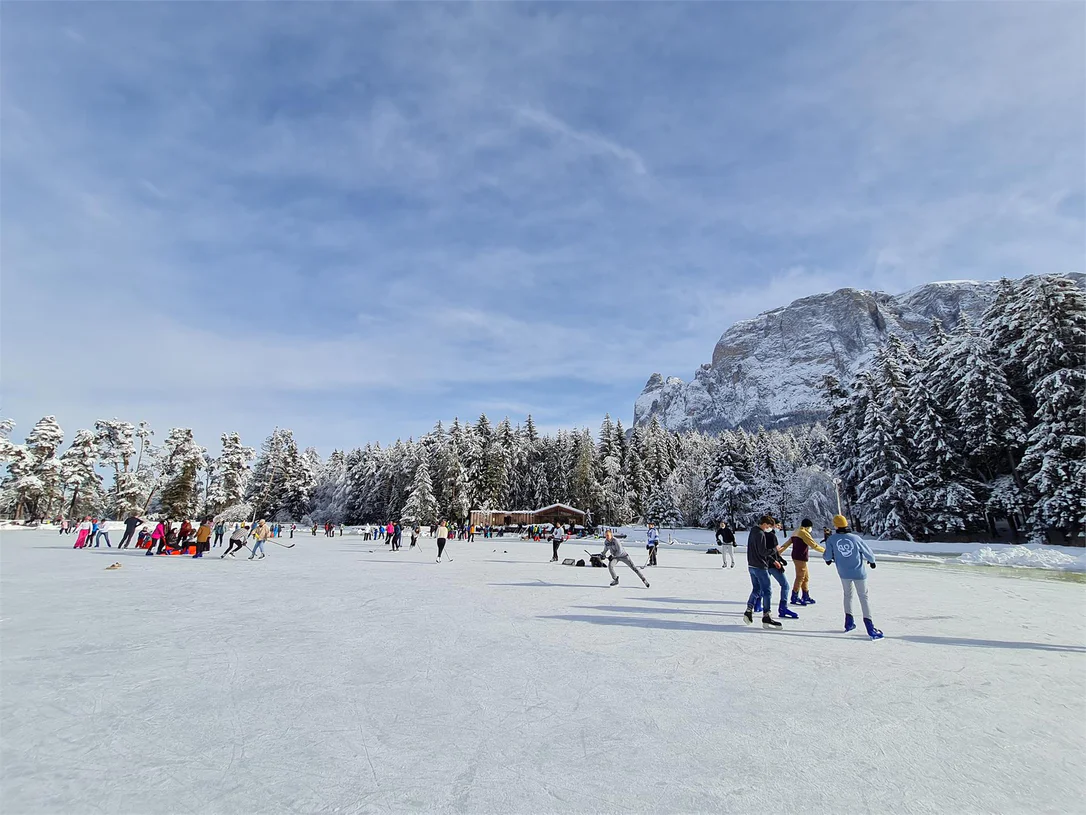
(340, 677)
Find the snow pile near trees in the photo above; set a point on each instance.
(1027, 557)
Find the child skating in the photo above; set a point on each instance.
(852, 554)
(614, 551)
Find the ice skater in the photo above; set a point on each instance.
(260, 534)
(237, 541)
(850, 552)
(220, 530)
(203, 538)
(652, 543)
(614, 551)
(761, 558)
(777, 572)
(558, 535)
(130, 524)
(802, 542)
(102, 533)
(442, 539)
(725, 541)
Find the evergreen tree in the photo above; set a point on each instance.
(77, 473)
(421, 506)
(1055, 460)
(176, 478)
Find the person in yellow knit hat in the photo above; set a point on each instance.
(802, 542)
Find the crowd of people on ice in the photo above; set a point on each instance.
(766, 561)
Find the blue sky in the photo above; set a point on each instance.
(355, 219)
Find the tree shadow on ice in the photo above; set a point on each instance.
(645, 622)
(642, 610)
(537, 584)
(965, 642)
(693, 602)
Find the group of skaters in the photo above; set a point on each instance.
(164, 537)
(766, 563)
(328, 527)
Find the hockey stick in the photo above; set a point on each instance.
(284, 545)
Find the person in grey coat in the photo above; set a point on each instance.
(614, 551)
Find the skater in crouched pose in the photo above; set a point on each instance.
(237, 541)
(614, 551)
(850, 552)
(761, 557)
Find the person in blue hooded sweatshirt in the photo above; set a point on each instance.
(852, 555)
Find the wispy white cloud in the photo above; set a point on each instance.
(429, 201)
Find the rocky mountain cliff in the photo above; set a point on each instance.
(768, 370)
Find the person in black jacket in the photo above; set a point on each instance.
(761, 557)
(130, 524)
(725, 541)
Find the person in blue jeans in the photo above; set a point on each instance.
(761, 558)
(777, 573)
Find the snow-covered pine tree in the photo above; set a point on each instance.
(178, 465)
(421, 505)
(77, 473)
(233, 466)
(1052, 321)
(991, 422)
(1055, 460)
(947, 495)
(663, 505)
(127, 450)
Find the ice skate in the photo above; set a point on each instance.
(614, 582)
(872, 632)
(771, 624)
(794, 600)
(850, 623)
(784, 611)
(748, 616)
(807, 599)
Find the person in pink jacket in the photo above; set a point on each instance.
(156, 538)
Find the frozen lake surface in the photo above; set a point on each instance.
(340, 677)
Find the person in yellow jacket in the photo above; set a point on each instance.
(260, 534)
(802, 542)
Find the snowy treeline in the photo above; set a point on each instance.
(652, 474)
(984, 423)
(41, 482)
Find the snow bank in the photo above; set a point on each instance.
(1029, 557)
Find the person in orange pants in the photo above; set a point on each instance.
(802, 542)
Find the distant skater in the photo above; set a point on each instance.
(652, 543)
(220, 530)
(725, 541)
(416, 530)
(614, 551)
(557, 536)
(850, 552)
(442, 538)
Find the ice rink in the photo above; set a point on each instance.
(340, 677)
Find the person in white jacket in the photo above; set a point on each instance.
(614, 551)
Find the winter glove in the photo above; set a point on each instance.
(872, 565)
